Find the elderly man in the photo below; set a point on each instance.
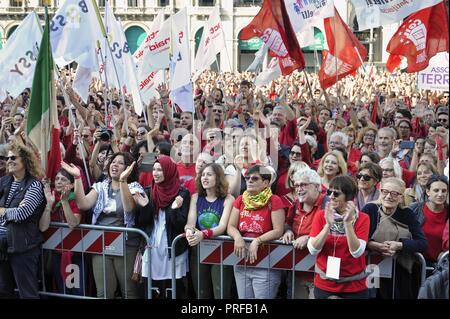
(284, 117)
(308, 202)
(384, 141)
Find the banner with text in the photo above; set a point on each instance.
(435, 76)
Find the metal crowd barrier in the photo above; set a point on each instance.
(286, 257)
(92, 240)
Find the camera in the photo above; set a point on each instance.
(105, 134)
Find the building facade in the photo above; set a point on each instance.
(137, 17)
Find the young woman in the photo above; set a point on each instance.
(209, 213)
(113, 205)
(163, 213)
(338, 237)
(416, 193)
(260, 215)
(62, 207)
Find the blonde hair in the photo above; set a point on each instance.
(341, 163)
(29, 159)
(293, 169)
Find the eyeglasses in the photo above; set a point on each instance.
(301, 185)
(11, 158)
(364, 177)
(333, 192)
(141, 133)
(388, 169)
(296, 154)
(369, 135)
(310, 133)
(217, 111)
(393, 194)
(441, 120)
(252, 178)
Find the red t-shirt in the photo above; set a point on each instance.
(57, 214)
(350, 266)
(280, 188)
(300, 220)
(288, 133)
(433, 229)
(354, 155)
(254, 223)
(408, 177)
(186, 172)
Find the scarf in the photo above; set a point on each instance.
(165, 192)
(255, 202)
(59, 204)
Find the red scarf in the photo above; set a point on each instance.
(164, 193)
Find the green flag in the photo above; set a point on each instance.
(42, 114)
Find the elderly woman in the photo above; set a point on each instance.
(113, 205)
(338, 237)
(395, 231)
(331, 165)
(308, 201)
(208, 217)
(21, 205)
(433, 215)
(288, 199)
(390, 168)
(368, 177)
(259, 215)
(366, 139)
(416, 193)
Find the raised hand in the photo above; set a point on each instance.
(329, 214)
(163, 90)
(71, 169)
(49, 194)
(124, 175)
(141, 199)
(305, 126)
(350, 212)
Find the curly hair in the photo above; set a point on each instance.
(221, 188)
(29, 159)
(128, 160)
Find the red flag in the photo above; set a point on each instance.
(421, 36)
(54, 155)
(342, 58)
(373, 117)
(273, 26)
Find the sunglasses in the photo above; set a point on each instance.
(296, 154)
(85, 136)
(11, 158)
(252, 178)
(310, 133)
(364, 177)
(217, 111)
(393, 194)
(442, 120)
(334, 192)
(141, 133)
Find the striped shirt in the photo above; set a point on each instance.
(33, 198)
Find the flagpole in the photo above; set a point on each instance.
(335, 58)
(309, 86)
(364, 68)
(106, 85)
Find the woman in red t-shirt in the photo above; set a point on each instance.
(338, 237)
(62, 207)
(260, 215)
(435, 215)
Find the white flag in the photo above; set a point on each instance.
(145, 45)
(18, 57)
(157, 55)
(148, 76)
(211, 43)
(180, 75)
(259, 58)
(304, 13)
(372, 14)
(273, 72)
(74, 30)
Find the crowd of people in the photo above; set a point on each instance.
(360, 167)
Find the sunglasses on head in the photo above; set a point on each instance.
(364, 177)
(333, 192)
(252, 178)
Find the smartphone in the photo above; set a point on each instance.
(407, 144)
(148, 160)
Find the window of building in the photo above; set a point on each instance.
(247, 3)
(163, 3)
(101, 3)
(206, 3)
(16, 3)
(133, 3)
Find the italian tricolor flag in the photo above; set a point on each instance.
(42, 122)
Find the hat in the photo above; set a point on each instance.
(442, 110)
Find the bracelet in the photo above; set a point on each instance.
(207, 233)
(77, 177)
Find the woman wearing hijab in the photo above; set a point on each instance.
(163, 214)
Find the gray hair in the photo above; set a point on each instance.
(389, 130)
(395, 165)
(312, 176)
(342, 136)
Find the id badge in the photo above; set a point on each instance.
(333, 267)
